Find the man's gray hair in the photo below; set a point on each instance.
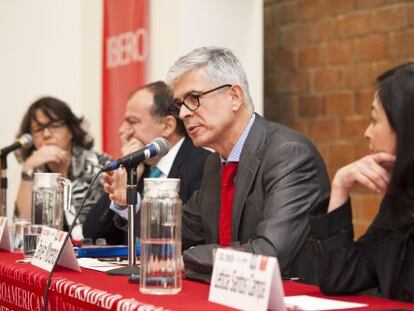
(220, 66)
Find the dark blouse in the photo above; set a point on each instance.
(383, 257)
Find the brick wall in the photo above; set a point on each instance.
(321, 60)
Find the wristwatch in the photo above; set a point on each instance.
(28, 175)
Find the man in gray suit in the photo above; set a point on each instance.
(261, 204)
(280, 175)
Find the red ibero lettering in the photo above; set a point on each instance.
(126, 48)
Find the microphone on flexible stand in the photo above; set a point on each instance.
(59, 254)
(158, 147)
(24, 141)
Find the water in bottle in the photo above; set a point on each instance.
(160, 271)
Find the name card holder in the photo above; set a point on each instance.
(4, 235)
(246, 281)
(48, 247)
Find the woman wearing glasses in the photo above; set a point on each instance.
(383, 257)
(61, 145)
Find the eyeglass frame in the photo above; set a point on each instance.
(50, 126)
(179, 103)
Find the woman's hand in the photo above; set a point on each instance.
(372, 172)
(57, 159)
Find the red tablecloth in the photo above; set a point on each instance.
(22, 286)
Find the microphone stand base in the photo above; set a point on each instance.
(124, 271)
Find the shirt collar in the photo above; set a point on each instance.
(235, 153)
(166, 162)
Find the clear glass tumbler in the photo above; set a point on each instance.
(17, 236)
(31, 235)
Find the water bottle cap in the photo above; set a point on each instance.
(161, 184)
(46, 179)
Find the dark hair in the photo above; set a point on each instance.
(163, 103)
(55, 110)
(396, 94)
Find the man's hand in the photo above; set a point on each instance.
(115, 186)
(372, 172)
(130, 144)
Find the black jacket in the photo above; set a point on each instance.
(99, 224)
(383, 257)
(188, 166)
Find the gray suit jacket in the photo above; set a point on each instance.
(280, 179)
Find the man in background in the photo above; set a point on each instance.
(147, 117)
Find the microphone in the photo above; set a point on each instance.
(25, 141)
(159, 146)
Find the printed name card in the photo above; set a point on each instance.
(4, 235)
(246, 281)
(48, 247)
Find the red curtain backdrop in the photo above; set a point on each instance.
(125, 52)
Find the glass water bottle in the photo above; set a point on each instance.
(160, 271)
(51, 195)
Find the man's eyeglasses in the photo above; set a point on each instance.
(192, 101)
(52, 126)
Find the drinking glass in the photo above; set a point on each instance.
(31, 236)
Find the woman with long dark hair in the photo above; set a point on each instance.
(61, 145)
(383, 257)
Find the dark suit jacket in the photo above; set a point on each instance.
(280, 179)
(382, 258)
(99, 224)
(188, 166)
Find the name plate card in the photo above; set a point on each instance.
(4, 235)
(246, 281)
(48, 247)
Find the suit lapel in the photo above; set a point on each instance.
(179, 159)
(247, 169)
